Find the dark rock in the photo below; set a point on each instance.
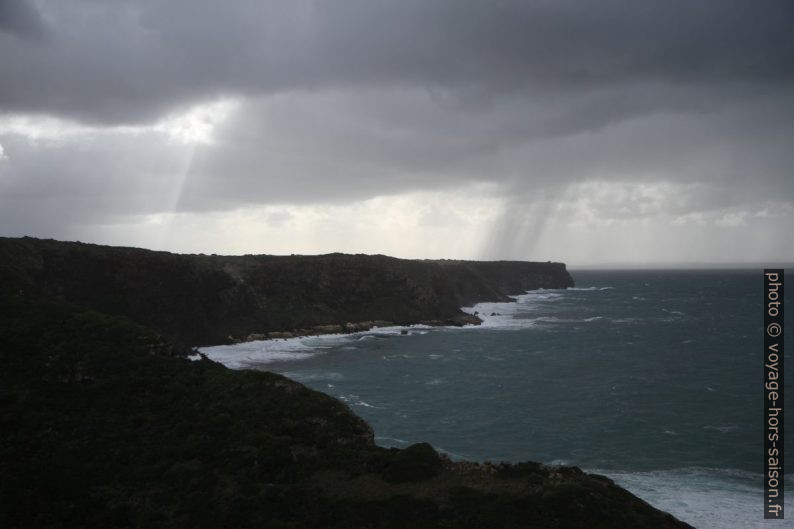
(327, 329)
(418, 462)
(279, 335)
(466, 319)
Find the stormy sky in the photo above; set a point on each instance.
(583, 131)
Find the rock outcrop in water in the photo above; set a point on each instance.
(105, 423)
(210, 299)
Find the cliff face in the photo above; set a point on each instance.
(104, 425)
(206, 300)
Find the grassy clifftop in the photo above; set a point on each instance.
(206, 300)
(104, 425)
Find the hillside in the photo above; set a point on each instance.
(209, 300)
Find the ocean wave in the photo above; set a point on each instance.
(555, 319)
(539, 296)
(394, 439)
(494, 315)
(452, 455)
(248, 355)
(502, 315)
(550, 319)
(722, 429)
(309, 377)
(518, 315)
(707, 498)
(251, 354)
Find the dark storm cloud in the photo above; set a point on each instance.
(336, 147)
(129, 61)
(343, 100)
(20, 18)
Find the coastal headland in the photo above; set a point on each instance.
(106, 423)
(212, 299)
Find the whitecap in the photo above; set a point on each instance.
(400, 441)
(707, 498)
(452, 455)
(506, 315)
(252, 354)
(260, 352)
(307, 377)
(722, 429)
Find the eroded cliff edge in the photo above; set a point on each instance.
(211, 299)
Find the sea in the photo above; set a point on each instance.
(650, 377)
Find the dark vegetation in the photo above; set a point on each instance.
(208, 300)
(104, 423)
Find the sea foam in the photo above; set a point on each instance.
(707, 498)
(250, 355)
(515, 315)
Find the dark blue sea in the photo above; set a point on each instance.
(653, 378)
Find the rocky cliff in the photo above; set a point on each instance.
(210, 299)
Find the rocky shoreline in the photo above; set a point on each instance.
(350, 328)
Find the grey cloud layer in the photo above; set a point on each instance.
(129, 61)
(342, 100)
